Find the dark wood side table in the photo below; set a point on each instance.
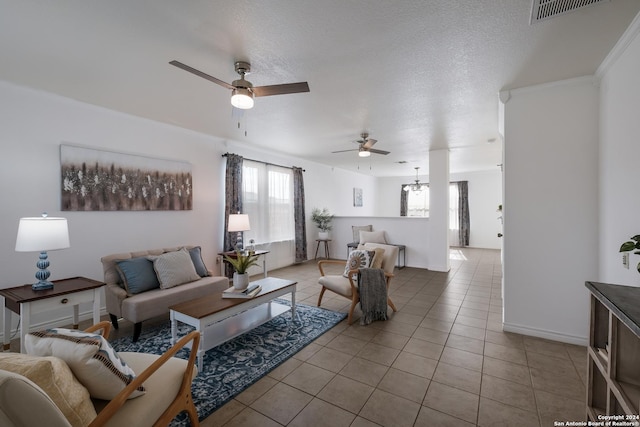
(23, 301)
(324, 242)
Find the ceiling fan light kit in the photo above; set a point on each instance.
(364, 153)
(242, 98)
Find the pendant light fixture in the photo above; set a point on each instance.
(416, 187)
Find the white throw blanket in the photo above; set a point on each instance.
(372, 286)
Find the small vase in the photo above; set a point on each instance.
(323, 235)
(240, 281)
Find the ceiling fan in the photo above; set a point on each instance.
(365, 150)
(242, 90)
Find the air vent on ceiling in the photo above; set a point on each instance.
(545, 9)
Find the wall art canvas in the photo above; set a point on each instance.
(357, 197)
(97, 180)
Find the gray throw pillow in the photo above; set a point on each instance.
(174, 268)
(198, 262)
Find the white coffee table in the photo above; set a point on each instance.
(220, 319)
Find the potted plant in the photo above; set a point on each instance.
(241, 262)
(322, 219)
(632, 245)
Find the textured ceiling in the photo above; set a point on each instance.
(417, 75)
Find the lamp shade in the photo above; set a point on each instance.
(238, 222)
(42, 234)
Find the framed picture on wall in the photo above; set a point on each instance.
(99, 180)
(357, 197)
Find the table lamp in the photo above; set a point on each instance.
(42, 234)
(238, 223)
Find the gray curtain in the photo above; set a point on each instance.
(299, 216)
(233, 201)
(463, 212)
(404, 200)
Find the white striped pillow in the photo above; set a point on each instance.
(174, 268)
(90, 356)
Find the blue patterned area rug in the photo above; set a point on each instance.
(235, 365)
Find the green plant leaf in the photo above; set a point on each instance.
(639, 267)
(636, 237)
(627, 246)
(241, 262)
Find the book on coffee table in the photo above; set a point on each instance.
(250, 292)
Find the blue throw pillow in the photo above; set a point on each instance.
(198, 263)
(138, 275)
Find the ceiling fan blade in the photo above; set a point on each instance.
(373, 150)
(200, 74)
(344, 151)
(369, 143)
(282, 89)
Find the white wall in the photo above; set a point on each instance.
(619, 155)
(438, 244)
(550, 208)
(485, 194)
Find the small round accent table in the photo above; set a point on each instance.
(326, 247)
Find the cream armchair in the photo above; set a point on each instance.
(167, 380)
(346, 287)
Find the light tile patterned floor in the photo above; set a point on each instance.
(441, 360)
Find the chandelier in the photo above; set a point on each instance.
(416, 187)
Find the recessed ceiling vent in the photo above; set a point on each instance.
(545, 9)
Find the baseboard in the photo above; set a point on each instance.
(53, 323)
(543, 333)
(441, 268)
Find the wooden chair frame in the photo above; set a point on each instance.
(355, 295)
(183, 400)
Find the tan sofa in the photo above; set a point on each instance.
(152, 303)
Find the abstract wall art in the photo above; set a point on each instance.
(98, 180)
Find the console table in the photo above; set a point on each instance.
(401, 251)
(24, 301)
(614, 350)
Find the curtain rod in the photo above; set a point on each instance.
(265, 163)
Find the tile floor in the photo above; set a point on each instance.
(441, 360)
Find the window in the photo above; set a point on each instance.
(267, 197)
(418, 203)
